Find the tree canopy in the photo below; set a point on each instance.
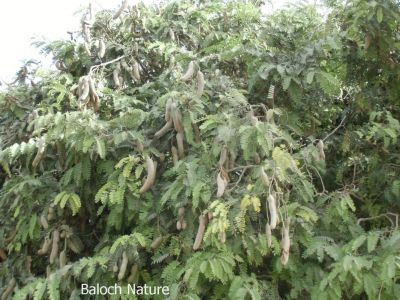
(210, 148)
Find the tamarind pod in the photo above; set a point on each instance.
(181, 211)
(163, 130)
(115, 268)
(39, 154)
(102, 49)
(125, 65)
(210, 215)
(172, 35)
(187, 275)
(256, 158)
(221, 184)
(284, 258)
(3, 255)
(63, 258)
(367, 41)
(122, 267)
(123, 6)
(43, 222)
(63, 234)
(58, 65)
(168, 108)
(253, 119)
(272, 211)
(223, 155)
(116, 78)
(54, 249)
(133, 274)
(196, 130)
(200, 232)
(321, 154)
(156, 243)
(50, 216)
(264, 178)
(222, 237)
(175, 156)
(177, 119)
(285, 243)
(268, 232)
(10, 288)
(87, 48)
(189, 72)
(85, 89)
(179, 142)
(320, 145)
(183, 224)
(200, 83)
(45, 247)
(151, 175)
(135, 71)
(178, 225)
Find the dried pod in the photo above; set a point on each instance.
(223, 155)
(151, 175)
(134, 273)
(87, 48)
(181, 211)
(63, 258)
(45, 247)
(163, 130)
(178, 225)
(119, 12)
(367, 42)
(3, 255)
(200, 83)
(39, 155)
(264, 178)
(189, 72)
(115, 268)
(175, 157)
(268, 232)
(122, 267)
(93, 94)
(257, 158)
(177, 118)
(156, 243)
(117, 82)
(253, 119)
(75, 244)
(84, 90)
(285, 243)
(272, 211)
(320, 146)
(54, 248)
(135, 71)
(102, 49)
(172, 35)
(43, 222)
(179, 142)
(168, 106)
(196, 130)
(221, 184)
(200, 232)
(284, 258)
(184, 224)
(9, 289)
(210, 215)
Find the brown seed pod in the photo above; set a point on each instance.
(54, 248)
(156, 243)
(163, 130)
(285, 243)
(223, 156)
(200, 232)
(221, 184)
(178, 225)
(9, 289)
(3, 255)
(189, 72)
(135, 71)
(367, 41)
(179, 142)
(115, 268)
(183, 224)
(196, 130)
(264, 178)
(181, 211)
(256, 158)
(200, 83)
(172, 35)
(63, 258)
(45, 246)
(119, 12)
(272, 211)
(177, 118)
(320, 146)
(122, 267)
(268, 232)
(175, 157)
(210, 215)
(39, 155)
(117, 82)
(75, 244)
(134, 274)
(151, 175)
(43, 222)
(102, 49)
(168, 106)
(84, 90)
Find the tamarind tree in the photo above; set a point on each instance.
(208, 148)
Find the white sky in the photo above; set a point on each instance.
(20, 20)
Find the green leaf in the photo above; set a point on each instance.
(372, 240)
(379, 15)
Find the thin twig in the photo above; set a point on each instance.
(336, 129)
(238, 181)
(385, 215)
(242, 167)
(92, 68)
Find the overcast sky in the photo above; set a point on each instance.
(20, 20)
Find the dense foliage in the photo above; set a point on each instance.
(297, 108)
